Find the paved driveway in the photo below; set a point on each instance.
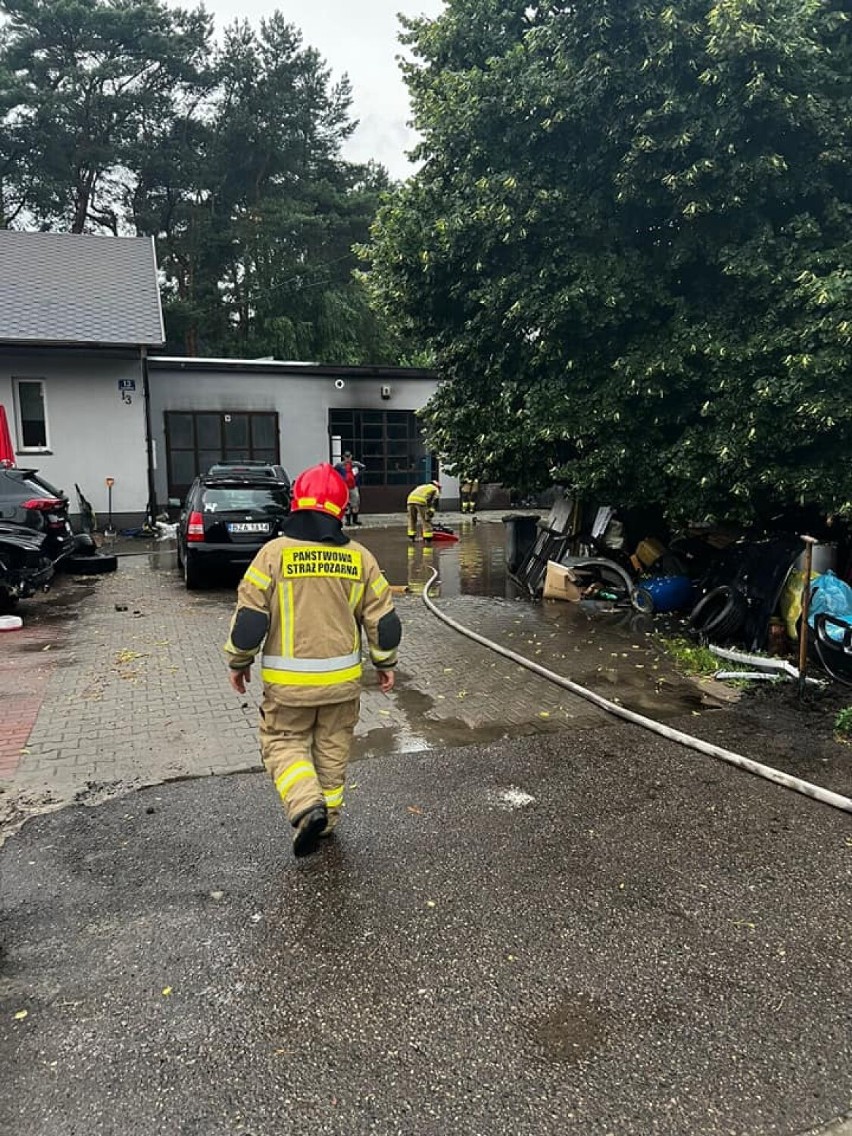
(565, 926)
(120, 681)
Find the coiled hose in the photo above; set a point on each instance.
(806, 788)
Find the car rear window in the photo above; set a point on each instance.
(34, 485)
(253, 498)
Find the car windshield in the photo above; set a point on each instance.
(245, 498)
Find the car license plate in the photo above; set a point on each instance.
(248, 527)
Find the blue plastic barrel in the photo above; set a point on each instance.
(662, 593)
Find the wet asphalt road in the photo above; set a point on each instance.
(653, 943)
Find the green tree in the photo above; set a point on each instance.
(628, 244)
(255, 212)
(79, 81)
(122, 115)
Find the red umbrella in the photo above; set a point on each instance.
(7, 450)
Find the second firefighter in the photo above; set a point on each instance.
(422, 503)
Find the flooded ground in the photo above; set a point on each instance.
(608, 649)
(124, 677)
(473, 565)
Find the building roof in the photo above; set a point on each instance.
(200, 364)
(74, 288)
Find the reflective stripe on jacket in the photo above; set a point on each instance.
(424, 495)
(317, 598)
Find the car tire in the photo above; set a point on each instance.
(85, 545)
(94, 564)
(720, 614)
(191, 575)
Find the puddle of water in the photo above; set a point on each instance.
(612, 653)
(163, 558)
(475, 565)
(572, 1031)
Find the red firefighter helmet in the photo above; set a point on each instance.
(322, 489)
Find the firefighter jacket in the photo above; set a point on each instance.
(426, 495)
(306, 602)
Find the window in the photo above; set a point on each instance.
(389, 442)
(197, 440)
(31, 414)
(225, 499)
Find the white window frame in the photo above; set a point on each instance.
(19, 425)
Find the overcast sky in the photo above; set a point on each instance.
(358, 37)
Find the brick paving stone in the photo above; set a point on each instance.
(137, 696)
(141, 695)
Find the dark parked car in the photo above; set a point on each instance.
(28, 500)
(30, 503)
(225, 520)
(24, 568)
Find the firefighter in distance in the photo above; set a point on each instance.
(422, 503)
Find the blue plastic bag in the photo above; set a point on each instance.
(831, 596)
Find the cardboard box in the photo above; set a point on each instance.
(560, 583)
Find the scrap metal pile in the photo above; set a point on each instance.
(731, 590)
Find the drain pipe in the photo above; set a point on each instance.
(806, 788)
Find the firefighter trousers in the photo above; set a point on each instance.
(419, 514)
(306, 750)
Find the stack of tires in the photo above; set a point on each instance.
(720, 615)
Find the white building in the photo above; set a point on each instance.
(87, 400)
(77, 317)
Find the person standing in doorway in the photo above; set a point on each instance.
(351, 470)
(305, 599)
(422, 503)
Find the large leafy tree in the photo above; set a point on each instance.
(628, 246)
(80, 81)
(122, 115)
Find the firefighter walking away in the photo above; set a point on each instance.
(304, 601)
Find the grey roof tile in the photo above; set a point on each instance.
(78, 288)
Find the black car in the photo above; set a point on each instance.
(24, 567)
(31, 505)
(29, 501)
(225, 520)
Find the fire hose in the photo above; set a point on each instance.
(796, 784)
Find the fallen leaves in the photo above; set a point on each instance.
(21, 1014)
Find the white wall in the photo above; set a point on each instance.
(302, 403)
(92, 433)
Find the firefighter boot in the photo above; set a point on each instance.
(308, 829)
(331, 823)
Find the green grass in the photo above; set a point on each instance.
(689, 658)
(843, 723)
